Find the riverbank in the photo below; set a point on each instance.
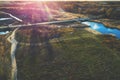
(110, 23)
(92, 31)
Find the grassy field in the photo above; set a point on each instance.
(77, 56)
(4, 58)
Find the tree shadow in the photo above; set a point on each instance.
(40, 35)
(50, 53)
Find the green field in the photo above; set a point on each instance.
(78, 56)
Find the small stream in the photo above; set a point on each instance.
(3, 33)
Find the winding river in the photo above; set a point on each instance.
(103, 29)
(93, 25)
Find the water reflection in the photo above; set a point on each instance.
(103, 29)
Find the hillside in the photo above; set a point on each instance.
(67, 50)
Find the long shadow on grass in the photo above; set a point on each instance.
(32, 48)
(41, 37)
(49, 49)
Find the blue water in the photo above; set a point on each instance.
(3, 19)
(3, 33)
(103, 29)
(95, 26)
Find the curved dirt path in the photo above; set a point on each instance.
(14, 43)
